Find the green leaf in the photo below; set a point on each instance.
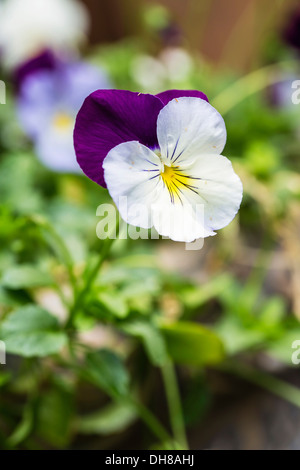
(55, 417)
(114, 418)
(31, 331)
(12, 299)
(4, 378)
(197, 400)
(106, 370)
(282, 349)
(273, 312)
(152, 339)
(25, 277)
(194, 296)
(236, 337)
(24, 428)
(114, 303)
(191, 343)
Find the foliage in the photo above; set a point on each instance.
(88, 340)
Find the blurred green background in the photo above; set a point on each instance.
(214, 327)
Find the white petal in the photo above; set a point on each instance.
(131, 172)
(218, 187)
(188, 127)
(180, 221)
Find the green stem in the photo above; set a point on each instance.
(276, 386)
(60, 245)
(152, 422)
(143, 412)
(174, 404)
(89, 282)
(249, 85)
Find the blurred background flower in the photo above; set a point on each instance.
(169, 69)
(29, 26)
(292, 30)
(48, 100)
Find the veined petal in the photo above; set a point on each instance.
(169, 95)
(188, 127)
(132, 175)
(106, 119)
(215, 184)
(181, 221)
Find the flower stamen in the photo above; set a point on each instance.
(176, 181)
(63, 121)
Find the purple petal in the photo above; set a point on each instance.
(45, 93)
(80, 79)
(169, 95)
(44, 61)
(106, 119)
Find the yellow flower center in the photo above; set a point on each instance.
(177, 182)
(63, 121)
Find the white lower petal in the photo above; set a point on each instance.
(131, 172)
(218, 187)
(188, 127)
(180, 221)
(197, 199)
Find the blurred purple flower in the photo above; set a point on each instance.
(292, 31)
(44, 61)
(50, 95)
(171, 35)
(281, 93)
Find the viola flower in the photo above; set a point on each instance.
(163, 154)
(46, 60)
(173, 65)
(29, 26)
(49, 99)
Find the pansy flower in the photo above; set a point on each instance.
(160, 158)
(46, 60)
(50, 94)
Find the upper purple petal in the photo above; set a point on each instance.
(169, 95)
(106, 119)
(44, 61)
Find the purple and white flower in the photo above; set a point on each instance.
(49, 99)
(163, 154)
